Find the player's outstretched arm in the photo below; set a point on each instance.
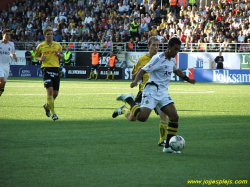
(138, 77)
(180, 74)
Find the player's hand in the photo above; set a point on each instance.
(15, 58)
(192, 81)
(43, 58)
(133, 84)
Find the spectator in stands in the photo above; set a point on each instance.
(14, 7)
(65, 37)
(143, 44)
(56, 37)
(163, 23)
(40, 36)
(84, 46)
(171, 18)
(143, 27)
(147, 19)
(134, 29)
(32, 37)
(233, 36)
(145, 34)
(241, 37)
(243, 47)
(108, 43)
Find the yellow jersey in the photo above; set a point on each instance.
(50, 51)
(142, 61)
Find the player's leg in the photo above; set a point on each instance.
(140, 113)
(124, 110)
(4, 73)
(172, 128)
(108, 73)
(49, 105)
(91, 74)
(56, 85)
(51, 84)
(163, 128)
(113, 74)
(97, 72)
(2, 85)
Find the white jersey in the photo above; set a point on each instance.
(160, 70)
(5, 51)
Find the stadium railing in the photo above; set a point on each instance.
(140, 47)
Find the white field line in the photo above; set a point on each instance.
(204, 92)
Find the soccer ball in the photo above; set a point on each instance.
(177, 143)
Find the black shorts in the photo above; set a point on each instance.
(95, 67)
(111, 68)
(138, 98)
(51, 78)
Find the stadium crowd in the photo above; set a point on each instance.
(96, 24)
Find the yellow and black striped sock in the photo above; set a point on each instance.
(50, 104)
(1, 91)
(96, 77)
(171, 131)
(135, 110)
(113, 76)
(163, 130)
(93, 74)
(107, 76)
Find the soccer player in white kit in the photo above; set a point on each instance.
(155, 92)
(7, 49)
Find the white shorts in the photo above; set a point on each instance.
(152, 98)
(4, 72)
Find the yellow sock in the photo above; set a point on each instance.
(113, 75)
(125, 111)
(93, 74)
(90, 75)
(96, 77)
(107, 75)
(163, 130)
(50, 104)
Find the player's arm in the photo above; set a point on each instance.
(216, 60)
(14, 56)
(138, 77)
(134, 73)
(38, 55)
(116, 59)
(59, 53)
(180, 74)
(13, 53)
(61, 56)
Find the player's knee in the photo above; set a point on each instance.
(55, 94)
(131, 117)
(142, 118)
(174, 117)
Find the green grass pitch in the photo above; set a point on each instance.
(86, 147)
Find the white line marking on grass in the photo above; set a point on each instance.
(205, 92)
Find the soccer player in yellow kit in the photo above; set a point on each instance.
(153, 45)
(49, 52)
